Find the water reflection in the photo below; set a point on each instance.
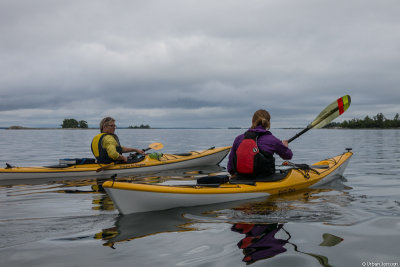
(264, 237)
(129, 227)
(138, 225)
(265, 215)
(103, 202)
(260, 242)
(309, 205)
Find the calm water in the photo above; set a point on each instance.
(354, 222)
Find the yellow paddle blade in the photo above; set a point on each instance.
(331, 112)
(156, 146)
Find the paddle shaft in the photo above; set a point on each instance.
(146, 149)
(299, 134)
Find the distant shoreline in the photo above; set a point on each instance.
(188, 128)
(39, 128)
(128, 128)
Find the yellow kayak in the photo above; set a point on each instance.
(211, 156)
(136, 197)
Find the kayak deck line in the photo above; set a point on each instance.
(140, 197)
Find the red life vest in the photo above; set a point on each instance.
(250, 160)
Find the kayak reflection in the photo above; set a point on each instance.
(130, 227)
(138, 225)
(260, 242)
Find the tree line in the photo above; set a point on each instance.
(378, 121)
(142, 126)
(72, 123)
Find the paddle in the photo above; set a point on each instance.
(330, 113)
(155, 146)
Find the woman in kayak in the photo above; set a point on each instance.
(252, 152)
(106, 147)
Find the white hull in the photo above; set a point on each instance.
(141, 201)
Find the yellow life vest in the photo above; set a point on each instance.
(100, 152)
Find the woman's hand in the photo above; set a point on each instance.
(285, 143)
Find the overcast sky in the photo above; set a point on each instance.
(187, 63)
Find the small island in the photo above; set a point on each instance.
(14, 127)
(73, 123)
(377, 122)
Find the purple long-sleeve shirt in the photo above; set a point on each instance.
(266, 142)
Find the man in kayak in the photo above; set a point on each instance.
(106, 147)
(252, 153)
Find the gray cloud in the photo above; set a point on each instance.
(190, 63)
